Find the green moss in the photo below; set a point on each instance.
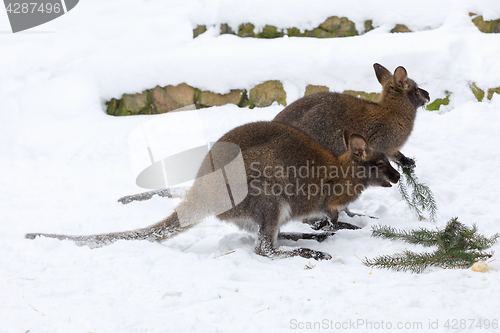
(246, 30)
(317, 33)
(488, 27)
(293, 32)
(244, 102)
(270, 31)
(478, 92)
(400, 28)
(111, 106)
(434, 106)
(196, 97)
(199, 30)
(492, 91)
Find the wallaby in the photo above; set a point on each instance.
(288, 176)
(386, 125)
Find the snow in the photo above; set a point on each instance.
(64, 164)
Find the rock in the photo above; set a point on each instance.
(312, 89)
(373, 97)
(171, 97)
(478, 92)
(266, 93)
(208, 98)
(293, 32)
(489, 27)
(226, 29)
(400, 28)
(246, 30)
(368, 26)
(339, 27)
(492, 91)
(136, 103)
(434, 106)
(270, 31)
(317, 33)
(199, 30)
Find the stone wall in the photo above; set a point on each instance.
(333, 26)
(166, 99)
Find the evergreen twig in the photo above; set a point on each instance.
(421, 197)
(458, 247)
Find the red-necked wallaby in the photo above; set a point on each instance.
(386, 125)
(288, 176)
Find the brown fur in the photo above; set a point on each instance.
(272, 145)
(386, 125)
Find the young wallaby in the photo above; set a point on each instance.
(386, 125)
(287, 175)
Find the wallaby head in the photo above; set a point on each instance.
(372, 164)
(400, 83)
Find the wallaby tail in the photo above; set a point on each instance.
(162, 230)
(172, 192)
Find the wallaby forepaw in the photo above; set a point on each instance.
(408, 163)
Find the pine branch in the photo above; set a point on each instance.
(458, 247)
(421, 198)
(421, 236)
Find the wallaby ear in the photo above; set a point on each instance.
(382, 73)
(400, 77)
(347, 138)
(358, 145)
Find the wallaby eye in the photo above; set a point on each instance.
(380, 164)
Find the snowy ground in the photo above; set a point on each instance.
(64, 163)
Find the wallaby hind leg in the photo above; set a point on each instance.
(267, 243)
(295, 236)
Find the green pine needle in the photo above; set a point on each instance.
(421, 197)
(458, 247)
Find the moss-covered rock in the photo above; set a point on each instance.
(478, 92)
(199, 30)
(312, 89)
(270, 31)
(317, 33)
(266, 93)
(434, 106)
(492, 91)
(339, 26)
(208, 98)
(368, 26)
(293, 32)
(136, 103)
(400, 28)
(487, 27)
(226, 29)
(246, 30)
(171, 97)
(334, 26)
(373, 97)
